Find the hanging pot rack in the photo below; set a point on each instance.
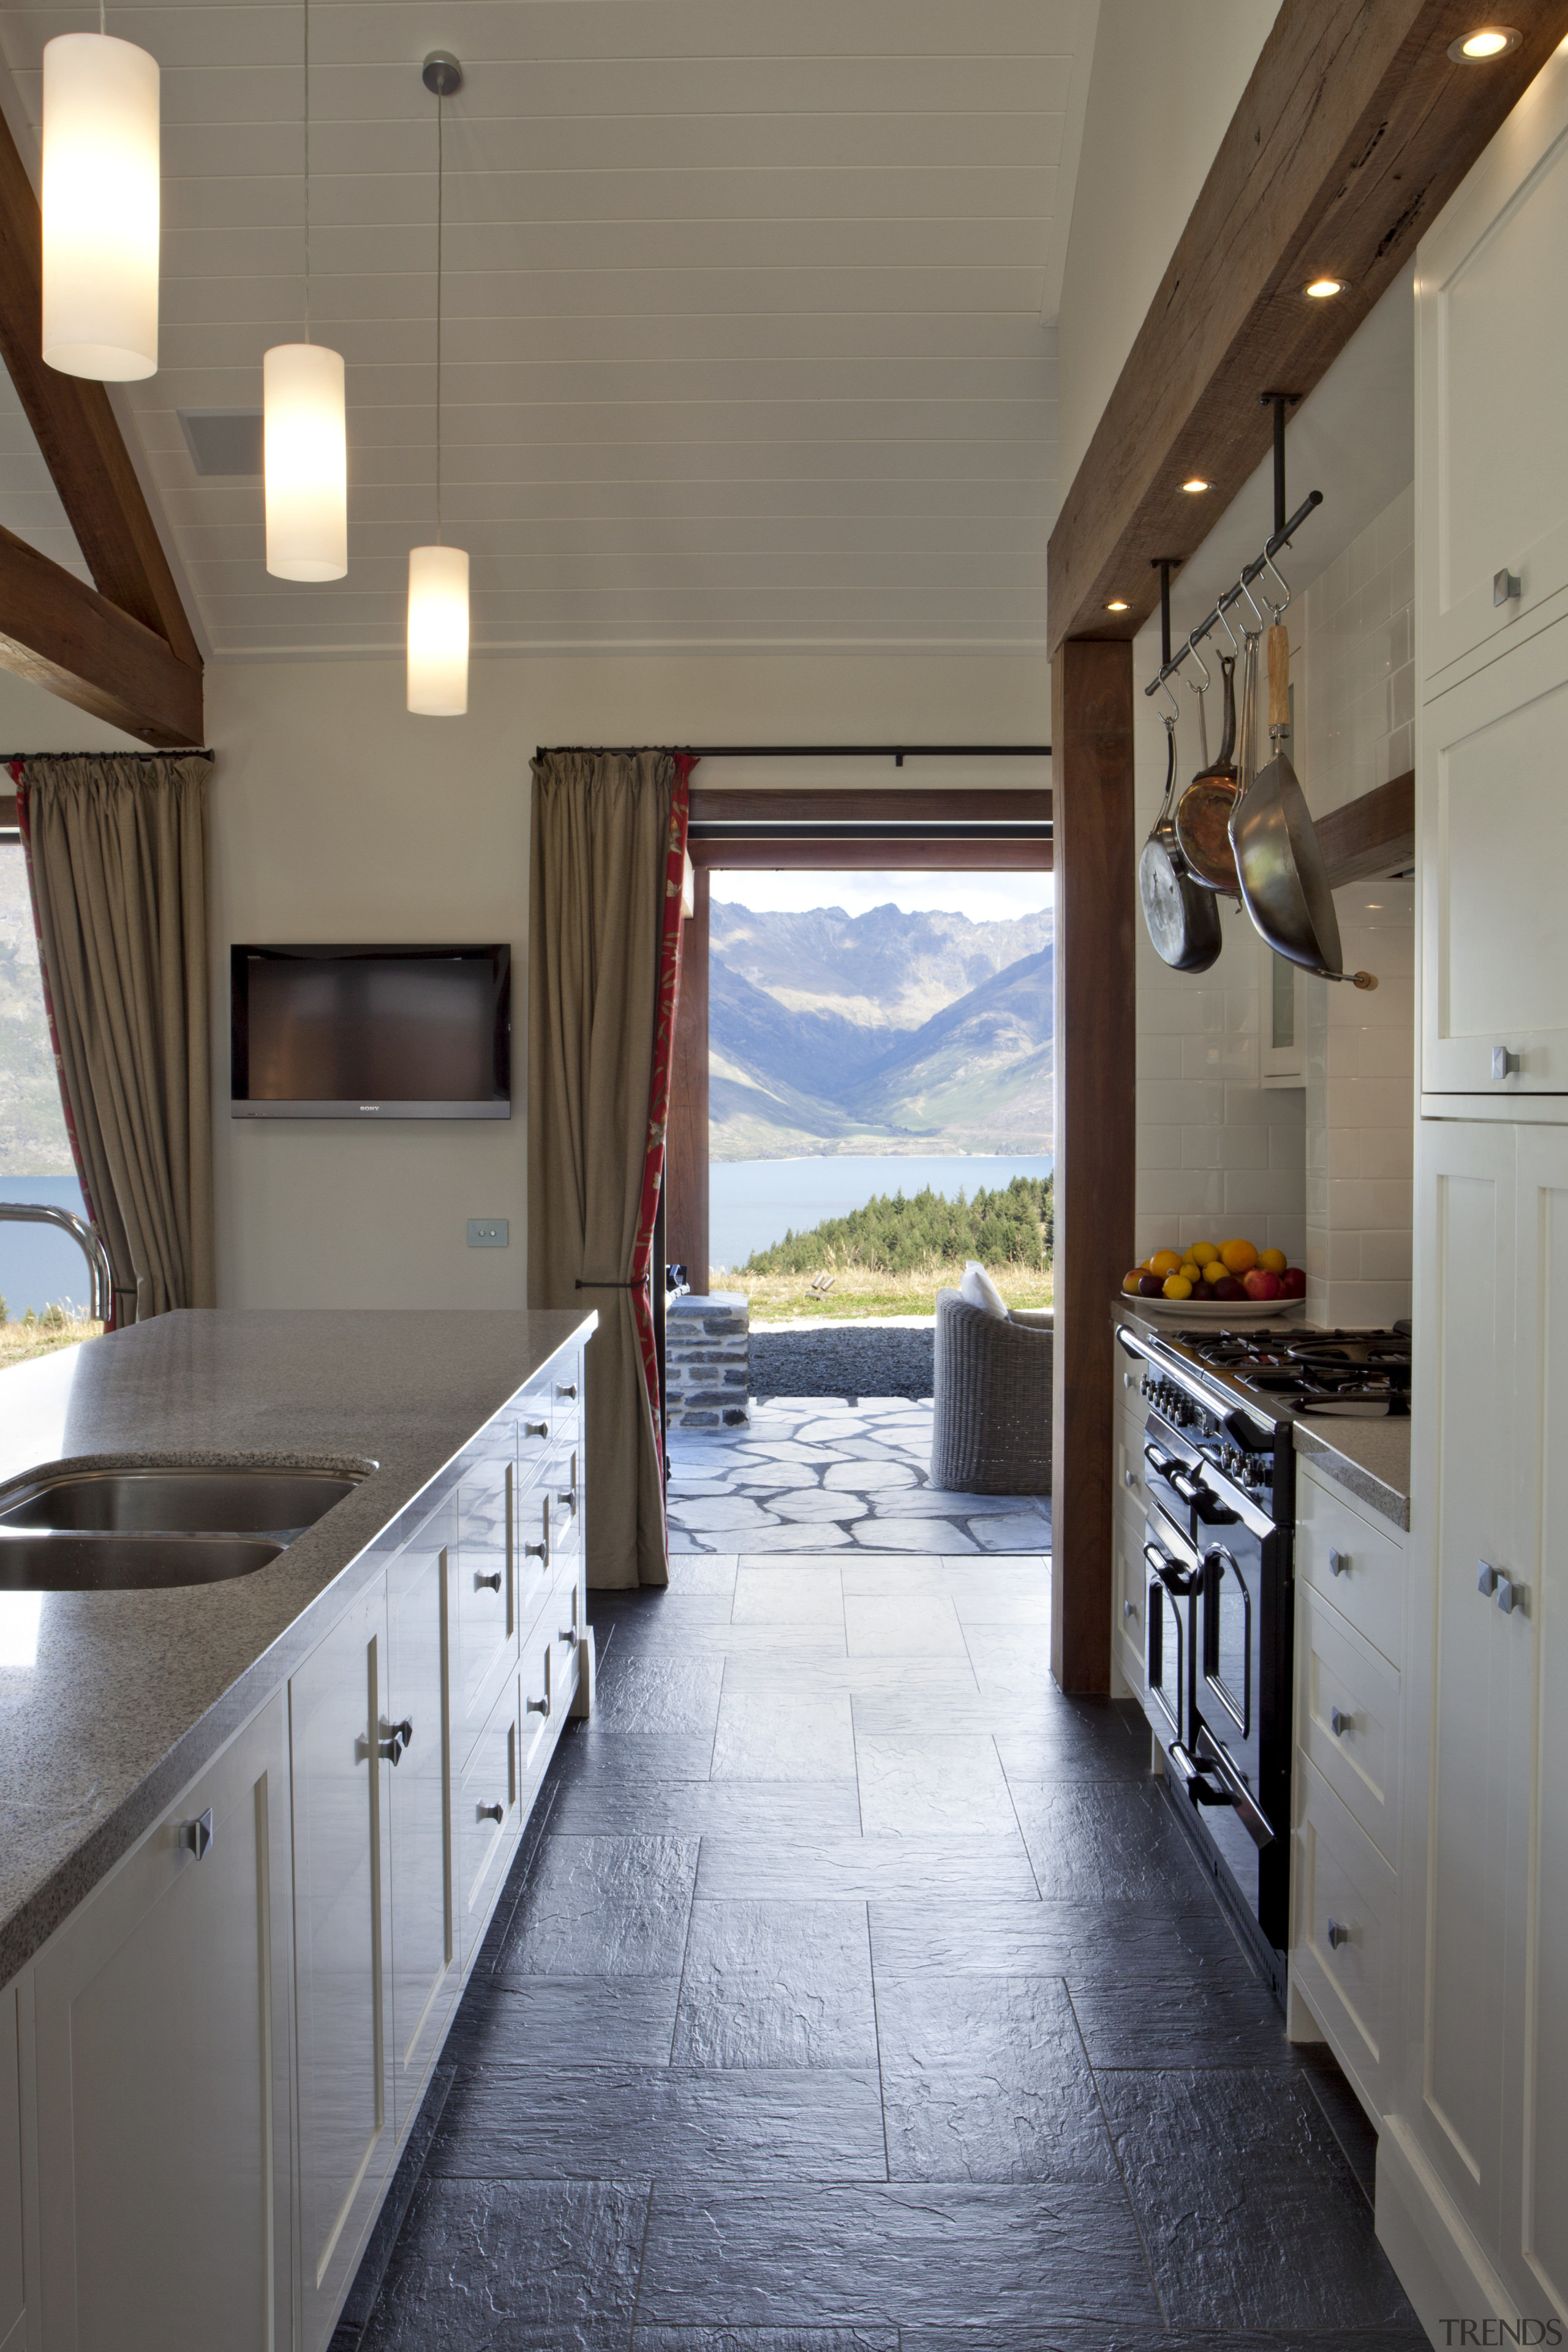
(1285, 531)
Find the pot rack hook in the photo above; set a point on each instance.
(1253, 602)
(1224, 625)
(1164, 684)
(1192, 649)
(1281, 609)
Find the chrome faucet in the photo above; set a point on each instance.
(87, 1238)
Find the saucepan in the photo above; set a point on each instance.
(1182, 917)
(1202, 813)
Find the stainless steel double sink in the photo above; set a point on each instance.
(137, 1529)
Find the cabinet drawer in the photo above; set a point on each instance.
(1347, 1718)
(486, 1594)
(565, 1479)
(538, 1430)
(534, 1574)
(1130, 1598)
(1345, 1891)
(1357, 1565)
(489, 1816)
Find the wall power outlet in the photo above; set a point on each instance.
(487, 1232)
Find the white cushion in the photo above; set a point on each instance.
(977, 1289)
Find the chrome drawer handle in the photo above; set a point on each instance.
(198, 1835)
(487, 1583)
(535, 1551)
(536, 1428)
(492, 1812)
(1339, 1724)
(567, 1389)
(1337, 1935)
(537, 1706)
(1339, 1562)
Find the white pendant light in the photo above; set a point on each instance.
(305, 462)
(304, 436)
(437, 632)
(438, 576)
(99, 206)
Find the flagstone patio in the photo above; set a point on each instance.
(815, 1474)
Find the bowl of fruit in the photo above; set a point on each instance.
(1216, 1281)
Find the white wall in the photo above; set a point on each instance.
(1168, 75)
(336, 816)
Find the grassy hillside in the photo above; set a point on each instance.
(1012, 1226)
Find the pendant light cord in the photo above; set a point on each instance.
(440, 226)
(307, 120)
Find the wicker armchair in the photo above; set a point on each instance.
(992, 1427)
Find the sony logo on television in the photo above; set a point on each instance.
(370, 1106)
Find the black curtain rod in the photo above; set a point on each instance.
(192, 751)
(897, 752)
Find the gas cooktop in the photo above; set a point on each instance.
(1362, 1375)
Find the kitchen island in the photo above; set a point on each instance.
(222, 2024)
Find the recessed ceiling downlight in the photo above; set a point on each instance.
(1488, 41)
(1196, 484)
(1321, 288)
(1117, 604)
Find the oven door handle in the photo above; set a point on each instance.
(1181, 1582)
(1134, 1344)
(1166, 1466)
(1213, 1757)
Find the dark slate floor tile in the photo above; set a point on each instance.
(984, 2078)
(1122, 1942)
(765, 2339)
(635, 1691)
(1105, 1843)
(1174, 2021)
(1109, 2336)
(723, 1808)
(568, 2022)
(1251, 2214)
(1348, 2119)
(835, 1866)
(593, 2123)
(533, 2266)
(607, 1907)
(639, 1759)
(827, 2257)
(777, 1984)
(772, 1733)
(1078, 1740)
(928, 1782)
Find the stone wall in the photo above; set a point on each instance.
(707, 1361)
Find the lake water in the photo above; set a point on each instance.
(39, 1268)
(754, 1203)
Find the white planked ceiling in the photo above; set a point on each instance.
(749, 309)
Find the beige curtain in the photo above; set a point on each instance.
(596, 903)
(116, 852)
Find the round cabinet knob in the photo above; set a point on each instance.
(487, 1583)
(1505, 1064)
(1338, 1722)
(492, 1812)
(1338, 1562)
(569, 1499)
(567, 1634)
(567, 1389)
(1127, 1610)
(536, 1428)
(537, 1706)
(1338, 1935)
(534, 1551)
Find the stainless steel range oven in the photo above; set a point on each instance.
(1219, 1476)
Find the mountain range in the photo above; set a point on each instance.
(885, 1031)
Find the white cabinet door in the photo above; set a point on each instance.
(1460, 1673)
(1492, 351)
(163, 2080)
(343, 1927)
(13, 2269)
(426, 1972)
(486, 1585)
(1535, 2244)
(1492, 834)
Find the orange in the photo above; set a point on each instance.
(1240, 1258)
(1273, 1261)
(1167, 1262)
(1177, 1288)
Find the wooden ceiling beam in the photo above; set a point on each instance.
(79, 435)
(1351, 134)
(1373, 835)
(58, 634)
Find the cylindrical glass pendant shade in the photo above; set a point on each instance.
(437, 632)
(100, 209)
(305, 462)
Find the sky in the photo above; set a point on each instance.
(984, 898)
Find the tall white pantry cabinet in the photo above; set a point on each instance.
(1473, 2148)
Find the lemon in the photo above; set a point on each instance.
(1177, 1287)
(1203, 1253)
(1216, 1270)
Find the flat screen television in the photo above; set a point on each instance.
(371, 1032)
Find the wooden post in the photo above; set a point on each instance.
(1096, 1137)
(685, 1142)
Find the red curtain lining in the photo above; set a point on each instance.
(658, 1093)
(16, 770)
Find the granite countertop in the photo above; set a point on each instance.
(111, 1702)
(1369, 1459)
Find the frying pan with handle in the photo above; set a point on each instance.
(1182, 919)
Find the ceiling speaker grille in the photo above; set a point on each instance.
(223, 440)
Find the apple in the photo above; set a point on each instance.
(1292, 1283)
(1261, 1284)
